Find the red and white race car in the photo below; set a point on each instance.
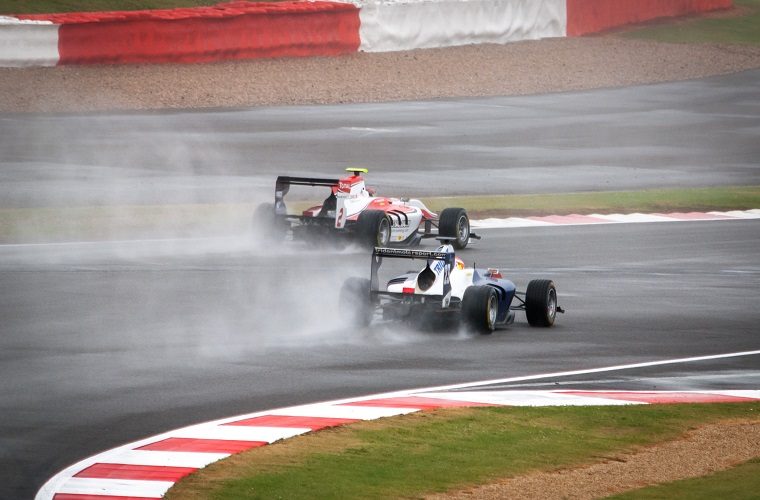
(352, 211)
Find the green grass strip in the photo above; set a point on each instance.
(647, 201)
(413, 455)
(29, 225)
(55, 6)
(743, 27)
(38, 225)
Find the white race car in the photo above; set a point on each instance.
(445, 289)
(353, 211)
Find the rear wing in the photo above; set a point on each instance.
(283, 183)
(379, 253)
(404, 253)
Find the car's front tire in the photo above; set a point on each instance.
(541, 303)
(480, 307)
(355, 305)
(455, 223)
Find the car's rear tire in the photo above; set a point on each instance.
(480, 307)
(373, 228)
(455, 223)
(541, 303)
(355, 306)
(266, 226)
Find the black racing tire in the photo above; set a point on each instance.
(266, 226)
(355, 306)
(541, 303)
(455, 223)
(373, 228)
(480, 306)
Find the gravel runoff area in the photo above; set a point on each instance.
(529, 67)
(700, 452)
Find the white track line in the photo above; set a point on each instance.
(589, 371)
(492, 223)
(594, 219)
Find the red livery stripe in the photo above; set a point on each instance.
(663, 397)
(313, 423)
(202, 445)
(421, 403)
(138, 472)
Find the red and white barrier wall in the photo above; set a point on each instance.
(245, 30)
(233, 30)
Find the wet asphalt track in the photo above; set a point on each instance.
(106, 343)
(104, 346)
(696, 133)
